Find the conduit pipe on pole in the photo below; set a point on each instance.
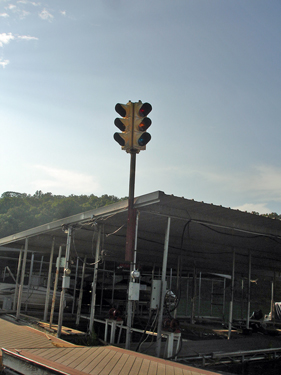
(81, 292)
(17, 281)
(64, 280)
(55, 286)
(230, 319)
(49, 282)
(94, 286)
(130, 302)
(22, 278)
(29, 280)
(249, 291)
(163, 287)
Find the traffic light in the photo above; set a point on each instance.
(140, 125)
(133, 125)
(125, 124)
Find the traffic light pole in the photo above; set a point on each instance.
(129, 253)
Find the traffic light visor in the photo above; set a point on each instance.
(121, 110)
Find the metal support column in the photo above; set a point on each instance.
(163, 287)
(64, 280)
(230, 319)
(22, 278)
(29, 280)
(130, 302)
(192, 317)
(249, 291)
(49, 281)
(81, 292)
(17, 281)
(55, 286)
(94, 286)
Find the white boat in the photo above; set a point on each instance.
(31, 295)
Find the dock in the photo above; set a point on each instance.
(26, 350)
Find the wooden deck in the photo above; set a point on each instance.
(29, 351)
(95, 360)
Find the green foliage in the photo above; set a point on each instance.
(19, 212)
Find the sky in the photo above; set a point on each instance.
(211, 69)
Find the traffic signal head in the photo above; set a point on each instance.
(141, 124)
(125, 125)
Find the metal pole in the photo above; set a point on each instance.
(129, 255)
(17, 281)
(130, 303)
(22, 278)
(199, 294)
(249, 291)
(55, 286)
(49, 281)
(81, 292)
(94, 286)
(232, 297)
(178, 284)
(75, 285)
(163, 287)
(193, 296)
(29, 280)
(64, 282)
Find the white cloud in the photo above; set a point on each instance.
(3, 63)
(27, 37)
(45, 15)
(5, 38)
(63, 12)
(56, 180)
(4, 15)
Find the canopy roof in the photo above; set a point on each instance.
(201, 235)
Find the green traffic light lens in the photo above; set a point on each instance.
(144, 139)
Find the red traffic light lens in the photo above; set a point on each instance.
(145, 109)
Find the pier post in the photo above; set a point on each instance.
(163, 287)
(22, 278)
(49, 281)
(94, 286)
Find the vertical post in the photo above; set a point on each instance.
(64, 280)
(81, 292)
(163, 287)
(22, 279)
(129, 256)
(29, 280)
(178, 284)
(199, 294)
(17, 281)
(192, 318)
(94, 286)
(41, 265)
(232, 297)
(130, 302)
(187, 294)
(55, 286)
(49, 281)
(75, 285)
(249, 291)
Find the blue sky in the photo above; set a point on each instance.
(211, 70)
